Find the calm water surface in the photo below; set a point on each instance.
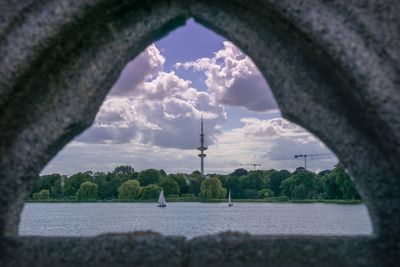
(193, 219)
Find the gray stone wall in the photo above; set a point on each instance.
(333, 67)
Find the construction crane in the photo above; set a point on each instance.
(249, 164)
(305, 156)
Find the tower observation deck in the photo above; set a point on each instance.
(202, 148)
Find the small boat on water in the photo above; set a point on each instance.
(161, 200)
(230, 204)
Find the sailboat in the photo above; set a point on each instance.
(161, 200)
(230, 204)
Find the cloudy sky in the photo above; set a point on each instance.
(151, 117)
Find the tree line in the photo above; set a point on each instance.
(126, 184)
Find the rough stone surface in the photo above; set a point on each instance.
(142, 250)
(333, 67)
(230, 249)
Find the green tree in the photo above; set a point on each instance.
(308, 179)
(73, 182)
(301, 184)
(41, 195)
(287, 187)
(239, 172)
(300, 192)
(99, 178)
(47, 181)
(233, 184)
(170, 186)
(267, 173)
(212, 189)
(319, 187)
(264, 193)
(223, 179)
(149, 176)
(196, 173)
(344, 182)
(151, 191)
(126, 170)
(56, 190)
(250, 193)
(50, 182)
(195, 181)
(87, 191)
(114, 182)
(129, 190)
(254, 180)
(331, 188)
(324, 172)
(276, 180)
(182, 181)
(162, 173)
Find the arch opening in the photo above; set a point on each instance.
(353, 109)
(150, 120)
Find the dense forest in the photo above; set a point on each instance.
(124, 183)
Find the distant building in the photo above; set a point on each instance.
(202, 148)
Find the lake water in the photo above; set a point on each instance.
(193, 219)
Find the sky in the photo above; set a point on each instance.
(151, 116)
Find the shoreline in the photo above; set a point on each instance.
(197, 200)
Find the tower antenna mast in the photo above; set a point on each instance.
(202, 147)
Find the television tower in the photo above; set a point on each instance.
(202, 148)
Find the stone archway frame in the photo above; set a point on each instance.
(332, 66)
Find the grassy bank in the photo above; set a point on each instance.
(196, 199)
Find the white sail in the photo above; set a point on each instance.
(230, 204)
(161, 200)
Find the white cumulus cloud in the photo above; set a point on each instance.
(272, 143)
(145, 66)
(233, 79)
(154, 107)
